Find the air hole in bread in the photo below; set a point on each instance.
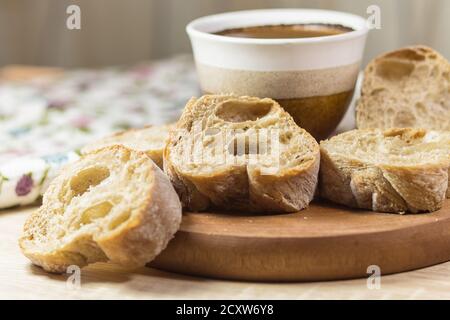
(286, 137)
(241, 111)
(408, 54)
(394, 70)
(377, 91)
(389, 113)
(404, 134)
(393, 133)
(87, 178)
(61, 234)
(420, 108)
(118, 221)
(95, 212)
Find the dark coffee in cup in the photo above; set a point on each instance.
(285, 31)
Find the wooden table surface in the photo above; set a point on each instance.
(20, 280)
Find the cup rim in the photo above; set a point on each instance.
(357, 23)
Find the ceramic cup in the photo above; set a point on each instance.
(312, 78)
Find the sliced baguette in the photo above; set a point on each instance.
(113, 204)
(212, 159)
(151, 140)
(409, 87)
(397, 170)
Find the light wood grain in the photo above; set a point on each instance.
(323, 242)
(20, 280)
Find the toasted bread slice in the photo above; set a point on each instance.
(241, 153)
(151, 140)
(396, 170)
(113, 204)
(409, 87)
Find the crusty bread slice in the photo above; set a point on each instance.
(150, 139)
(409, 87)
(241, 153)
(112, 204)
(397, 170)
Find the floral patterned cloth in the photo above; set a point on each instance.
(45, 121)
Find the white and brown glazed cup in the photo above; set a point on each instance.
(312, 78)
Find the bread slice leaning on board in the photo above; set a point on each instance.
(112, 204)
(409, 87)
(241, 153)
(150, 139)
(396, 170)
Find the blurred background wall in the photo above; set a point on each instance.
(121, 32)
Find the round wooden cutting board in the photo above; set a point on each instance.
(324, 242)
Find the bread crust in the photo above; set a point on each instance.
(132, 244)
(384, 187)
(409, 87)
(240, 187)
(128, 138)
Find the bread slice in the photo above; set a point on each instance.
(150, 139)
(113, 204)
(396, 170)
(409, 87)
(241, 153)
